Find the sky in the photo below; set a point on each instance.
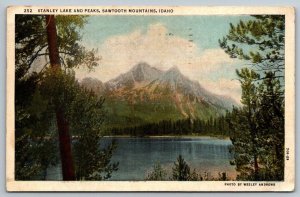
(188, 42)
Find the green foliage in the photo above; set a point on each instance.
(34, 156)
(194, 176)
(92, 159)
(157, 174)
(260, 41)
(213, 126)
(38, 95)
(31, 43)
(222, 177)
(245, 132)
(59, 87)
(36, 147)
(181, 170)
(249, 92)
(258, 129)
(271, 125)
(85, 113)
(136, 107)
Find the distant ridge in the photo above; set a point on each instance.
(146, 94)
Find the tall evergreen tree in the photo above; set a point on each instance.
(54, 90)
(270, 121)
(181, 170)
(259, 41)
(259, 156)
(62, 122)
(245, 134)
(92, 158)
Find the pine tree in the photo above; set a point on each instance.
(264, 38)
(35, 144)
(245, 133)
(157, 174)
(181, 170)
(92, 158)
(62, 122)
(271, 124)
(258, 149)
(258, 126)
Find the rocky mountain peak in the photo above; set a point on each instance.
(141, 72)
(144, 72)
(173, 76)
(151, 82)
(140, 66)
(174, 69)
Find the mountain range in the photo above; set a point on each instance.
(146, 94)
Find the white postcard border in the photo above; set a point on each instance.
(289, 180)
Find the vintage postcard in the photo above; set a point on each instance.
(150, 98)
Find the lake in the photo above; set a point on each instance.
(136, 156)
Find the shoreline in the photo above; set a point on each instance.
(170, 136)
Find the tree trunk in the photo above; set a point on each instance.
(254, 144)
(62, 123)
(255, 168)
(65, 146)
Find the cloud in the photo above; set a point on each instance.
(224, 86)
(161, 49)
(212, 59)
(155, 46)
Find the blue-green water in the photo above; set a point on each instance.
(136, 156)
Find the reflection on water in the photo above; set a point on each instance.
(136, 156)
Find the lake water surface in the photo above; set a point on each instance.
(136, 156)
